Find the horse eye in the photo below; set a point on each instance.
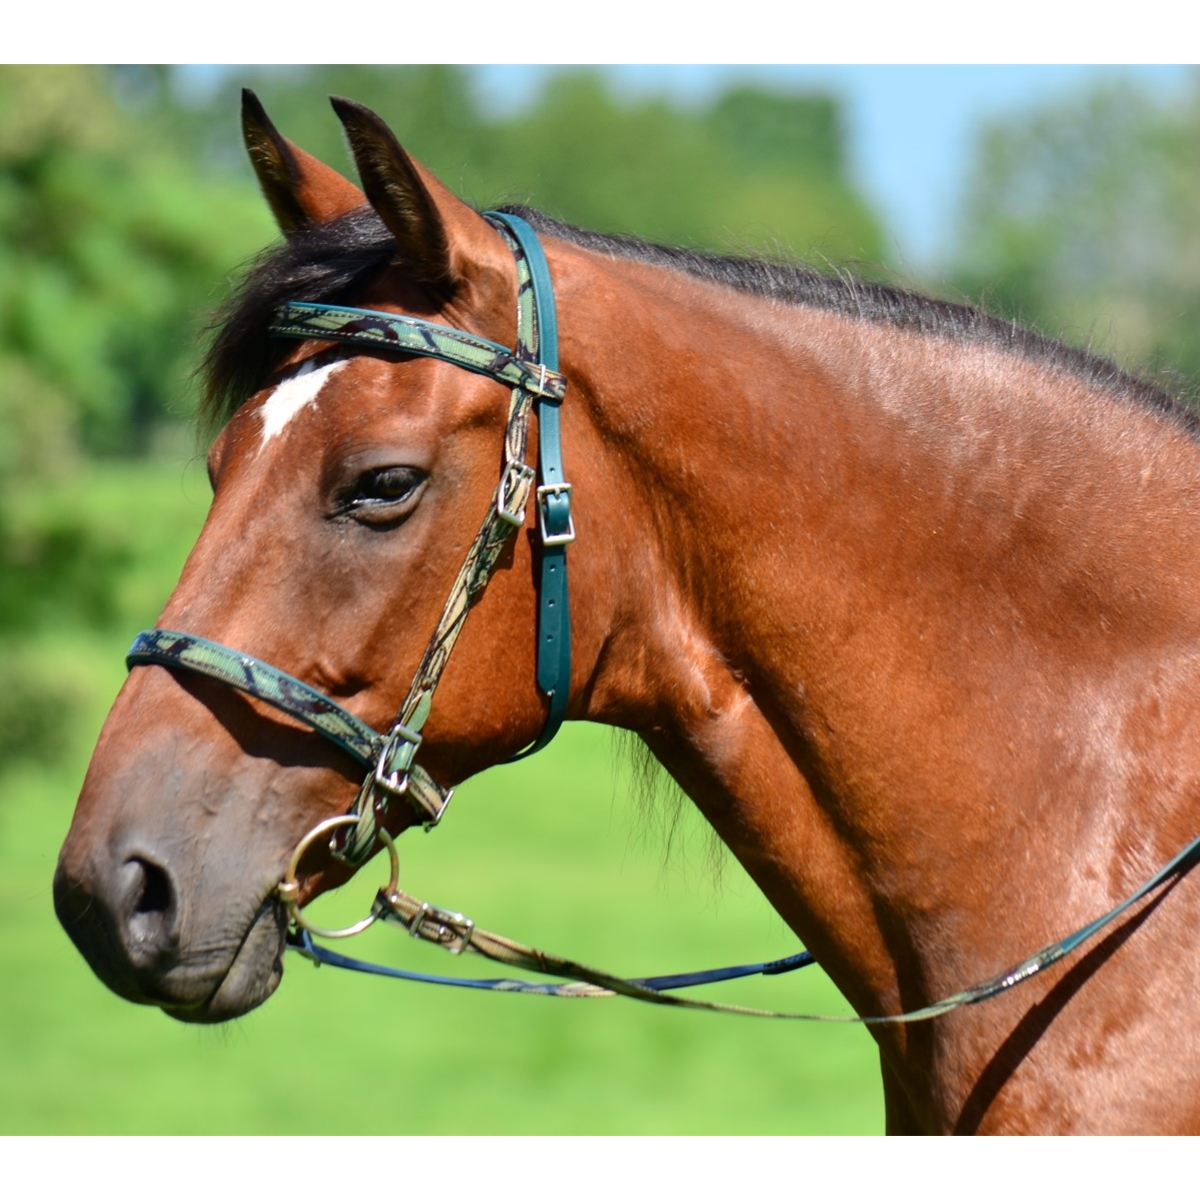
(387, 485)
(384, 486)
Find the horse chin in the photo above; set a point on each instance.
(253, 974)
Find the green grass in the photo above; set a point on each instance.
(550, 851)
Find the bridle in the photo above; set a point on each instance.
(531, 370)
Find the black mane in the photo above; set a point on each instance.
(333, 263)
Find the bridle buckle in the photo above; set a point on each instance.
(395, 759)
(514, 483)
(544, 494)
(451, 930)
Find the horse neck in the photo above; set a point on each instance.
(864, 590)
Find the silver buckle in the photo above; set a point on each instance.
(555, 539)
(446, 925)
(523, 474)
(395, 783)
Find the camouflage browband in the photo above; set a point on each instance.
(412, 335)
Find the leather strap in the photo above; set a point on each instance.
(170, 648)
(555, 525)
(458, 934)
(301, 941)
(413, 335)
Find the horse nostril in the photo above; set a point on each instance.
(150, 909)
(156, 894)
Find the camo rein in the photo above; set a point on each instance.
(531, 370)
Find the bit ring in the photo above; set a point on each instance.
(288, 890)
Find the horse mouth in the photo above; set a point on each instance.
(252, 976)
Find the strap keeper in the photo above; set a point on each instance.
(544, 382)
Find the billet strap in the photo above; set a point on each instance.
(536, 313)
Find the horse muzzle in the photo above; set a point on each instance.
(127, 918)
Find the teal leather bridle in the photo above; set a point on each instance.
(531, 370)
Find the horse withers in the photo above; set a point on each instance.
(905, 598)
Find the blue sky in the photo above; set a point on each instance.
(910, 127)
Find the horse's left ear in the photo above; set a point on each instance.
(301, 190)
(433, 228)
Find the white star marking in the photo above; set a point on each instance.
(293, 394)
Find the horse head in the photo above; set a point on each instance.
(348, 481)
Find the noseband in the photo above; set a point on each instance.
(531, 370)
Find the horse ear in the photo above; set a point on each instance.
(300, 189)
(419, 211)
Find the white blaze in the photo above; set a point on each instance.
(294, 393)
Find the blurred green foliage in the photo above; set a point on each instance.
(1082, 218)
(111, 247)
(752, 170)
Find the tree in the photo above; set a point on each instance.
(1084, 220)
(110, 244)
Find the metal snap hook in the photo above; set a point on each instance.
(288, 890)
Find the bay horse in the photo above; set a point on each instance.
(905, 598)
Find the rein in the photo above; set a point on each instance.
(531, 370)
(459, 934)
